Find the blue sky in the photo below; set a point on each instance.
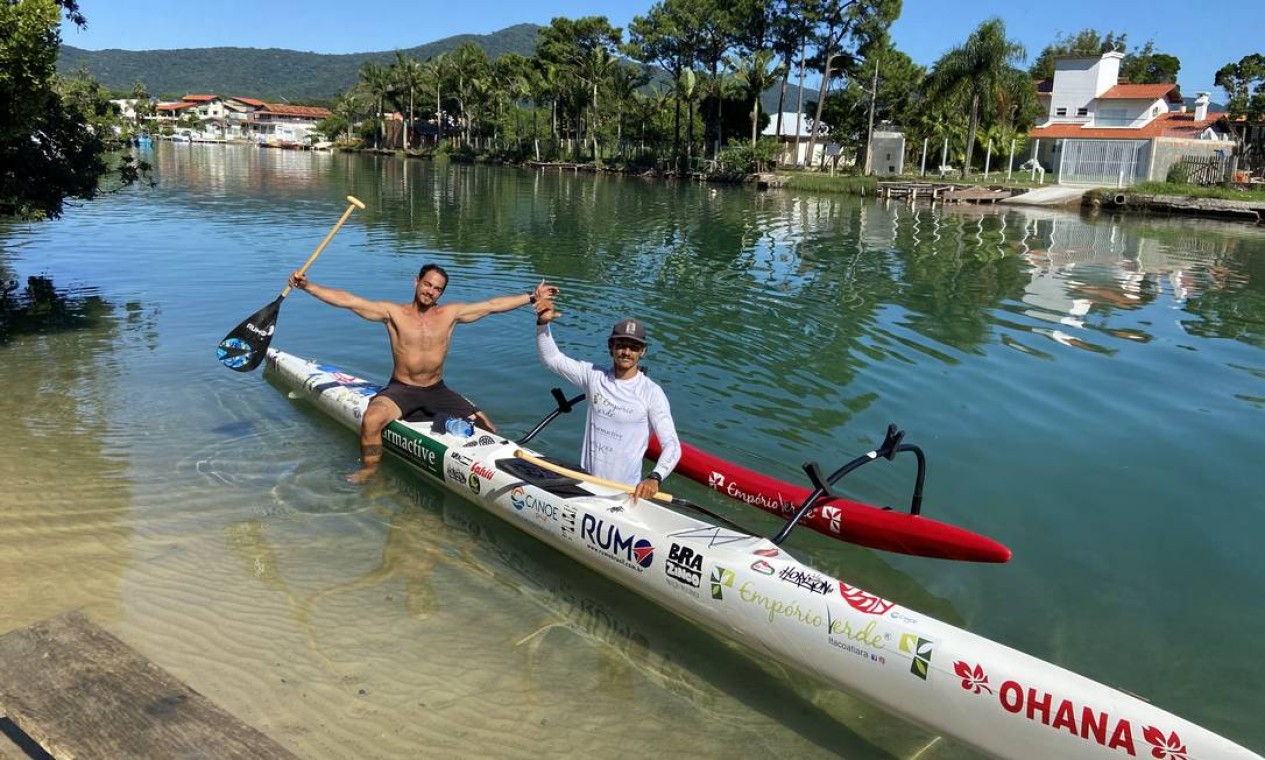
(1202, 36)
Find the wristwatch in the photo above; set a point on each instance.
(656, 477)
(531, 297)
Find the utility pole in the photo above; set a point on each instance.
(869, 137)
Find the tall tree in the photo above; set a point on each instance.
(470, 64)
(1086, 42)
(895, 99)
(583, 49)
(1244, 85)
(375, 79)
(661, 38)
(407, 79)
(1145, 66)
(435, 75)
(49, 151)
(844, 29)
(792, 26)
(980, 75)
(755, 74)
(514, 73)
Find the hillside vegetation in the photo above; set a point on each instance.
(268, 74)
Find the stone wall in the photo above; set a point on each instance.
(1167, 151)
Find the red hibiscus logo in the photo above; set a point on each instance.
(973, 679)
(1164, 747)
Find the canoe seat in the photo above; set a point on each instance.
(558, 485)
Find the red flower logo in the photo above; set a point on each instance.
(1164, 747)
(973, 679)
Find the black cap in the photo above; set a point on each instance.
(629, 329)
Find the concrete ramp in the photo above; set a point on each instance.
(1051, 195)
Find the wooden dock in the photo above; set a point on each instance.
(942, 192)
(976, 195)
(913, 190)
(75, 691)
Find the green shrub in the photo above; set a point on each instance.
(739, 157)
(1178, 174)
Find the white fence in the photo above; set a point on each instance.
(1114, 163)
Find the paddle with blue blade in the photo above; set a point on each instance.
(247, 344)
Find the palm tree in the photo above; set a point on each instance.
(435, 74)
(625, 80)
(594, 70)
(469, 63)
(687, 90)
(512, 72)
(979, 74)
(407, 78)
(755, 74)
(376, 81)
(348, 108)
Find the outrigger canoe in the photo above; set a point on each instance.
(845, 519)
(747, 588)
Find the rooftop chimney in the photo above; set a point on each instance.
(1201, 106)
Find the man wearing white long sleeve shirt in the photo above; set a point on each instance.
(624, 406)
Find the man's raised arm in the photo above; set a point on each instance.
(374, 311)
(472, 312)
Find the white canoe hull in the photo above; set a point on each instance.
(946, 679)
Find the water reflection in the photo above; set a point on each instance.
(64, 530)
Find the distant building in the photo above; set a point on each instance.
(797, 131)
(285, 124)
(1100, 130)
(887, 150)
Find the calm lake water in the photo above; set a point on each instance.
(1090, 392)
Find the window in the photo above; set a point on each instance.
(1082, 111)
(1060, 112)
(1155, 111)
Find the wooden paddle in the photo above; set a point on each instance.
(660, 496)
(585, 476)
(247, 344)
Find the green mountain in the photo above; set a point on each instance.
(267, 74)
(274, 74)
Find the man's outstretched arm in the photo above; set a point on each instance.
(472, 312)
(374, 311)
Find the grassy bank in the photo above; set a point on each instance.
(1198, 191)
(850, 184)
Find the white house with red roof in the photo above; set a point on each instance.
(1102, 131)
(284, 124)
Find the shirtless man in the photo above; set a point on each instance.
(420, 332)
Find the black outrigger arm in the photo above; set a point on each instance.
(565, 405)
(892, 445)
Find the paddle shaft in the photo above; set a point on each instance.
(660, 495)
(353, 203)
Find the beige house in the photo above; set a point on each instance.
(1101, 131)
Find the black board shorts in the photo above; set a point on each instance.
(418, 403)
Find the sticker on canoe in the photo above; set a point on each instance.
(419, 449)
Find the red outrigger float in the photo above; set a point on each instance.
(847, 520)
(819, 507)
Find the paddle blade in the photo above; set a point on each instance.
(245, 347)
